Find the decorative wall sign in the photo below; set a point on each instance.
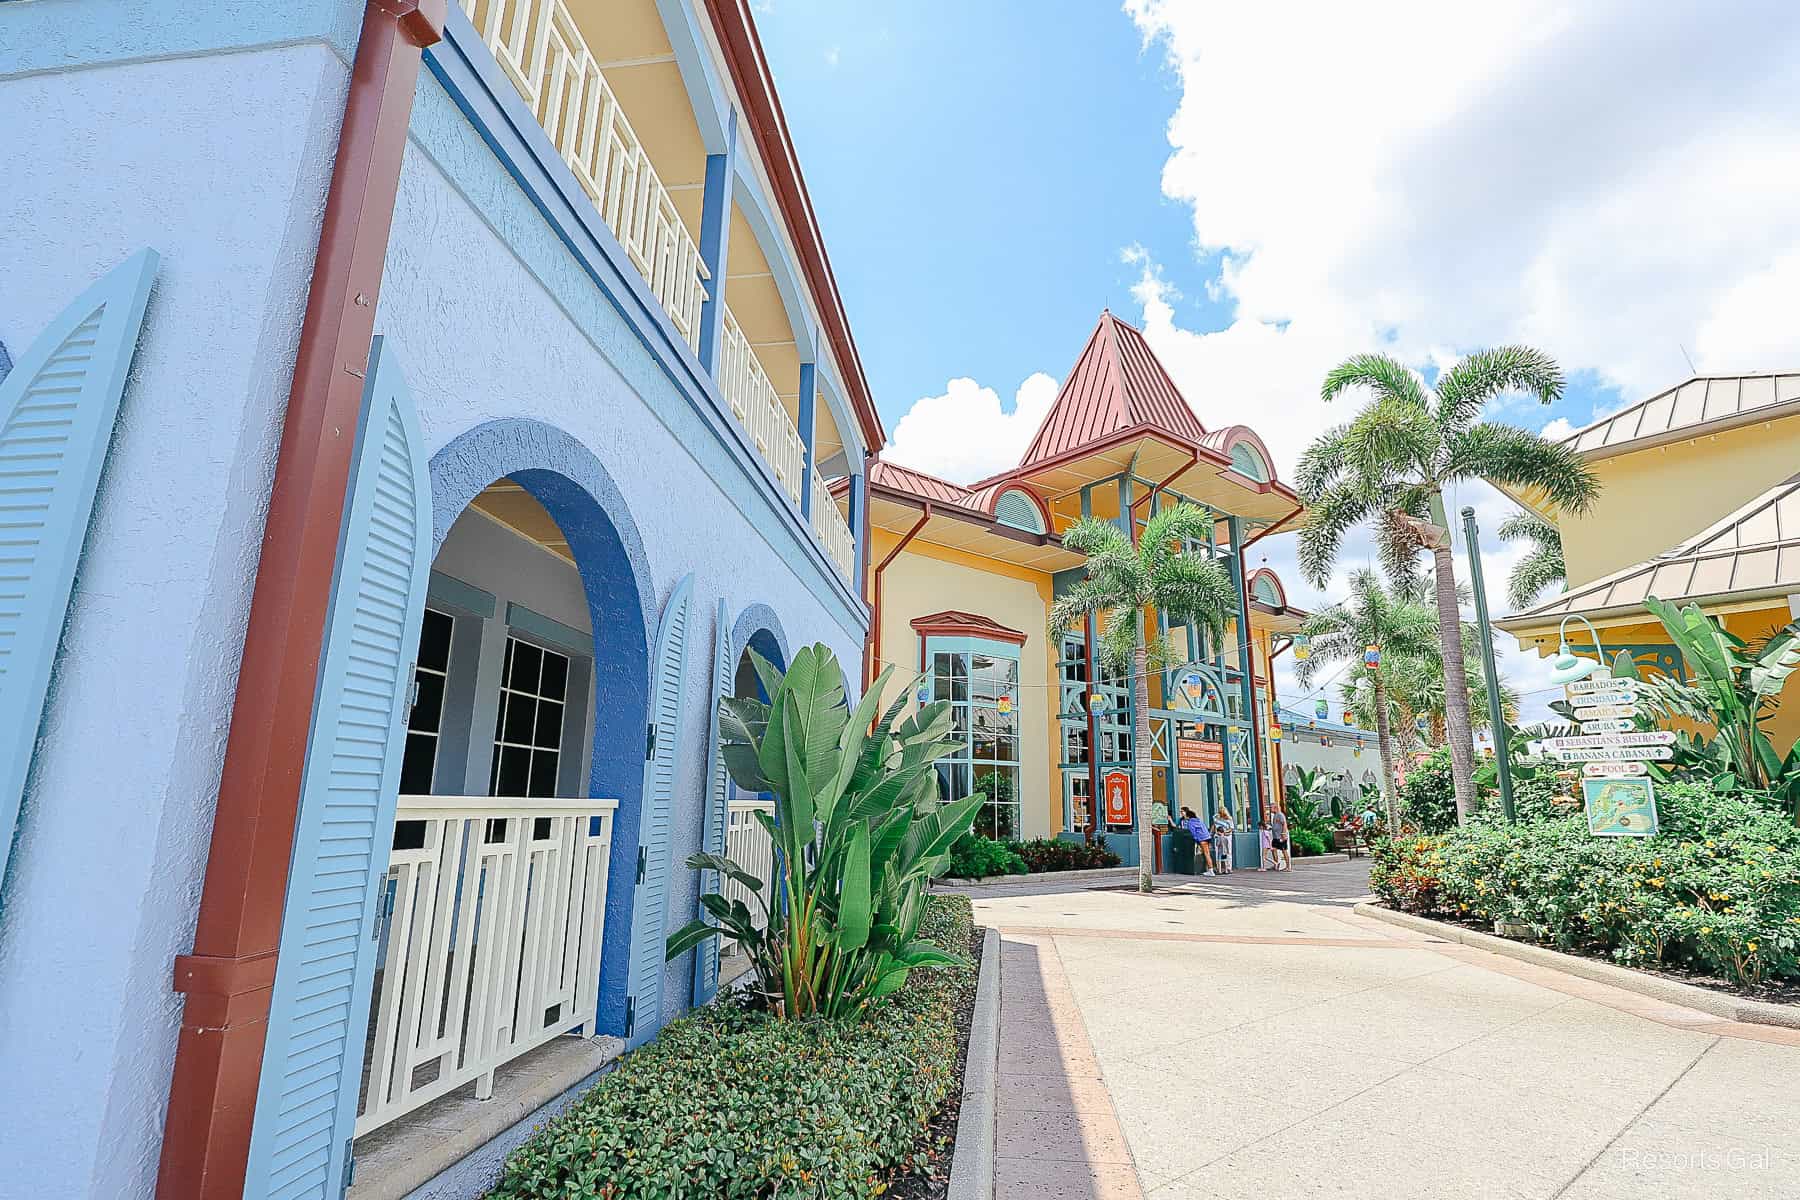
(1620, 807)
(1118, 798)
(1194, 754)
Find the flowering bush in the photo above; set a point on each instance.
(1717, 890)
(1063, 854)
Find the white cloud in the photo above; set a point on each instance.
(832, 55)
(1558, 429)
(1602, 180)
(964, 434)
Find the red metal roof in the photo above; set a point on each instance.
(919, 484)
(955, 623)
(1116, 384)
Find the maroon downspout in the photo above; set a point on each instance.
(872, 653)
(229, 976)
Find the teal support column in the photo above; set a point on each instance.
(859, 532)
(809, 397)
(1248, 676)
(715, 233)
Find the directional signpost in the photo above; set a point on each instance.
(1614, 753)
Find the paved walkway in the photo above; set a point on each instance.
(1251, 1036)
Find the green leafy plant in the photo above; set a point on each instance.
(1060, 854)
(977, 857)
(1391, 464)
(1124, 579)
(729, 1101)
(1428, 797)
(1313, 807)
(1734, 687)
(1717, 890)
(1307, 842)
(858, 833)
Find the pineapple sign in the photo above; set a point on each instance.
(1616, 787)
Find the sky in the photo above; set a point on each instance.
(1267, 189)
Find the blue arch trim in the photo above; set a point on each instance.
(565, 477)
(755, 619)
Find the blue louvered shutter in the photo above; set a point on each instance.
(57, 411)
(656, 840)
(319, 1013)
(712, 834)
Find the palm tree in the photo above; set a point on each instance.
(1391, 464)
(1371, 616)
(1123, 580)
(1542, 564)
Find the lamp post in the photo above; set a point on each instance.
(1496, 718)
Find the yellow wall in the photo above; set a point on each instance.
(928, 579)
(1652, 500)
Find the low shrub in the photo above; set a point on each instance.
(1062, 854)
(1428, 797)
(730, 1102)
(1306, 842)
(1717, 890)
(977, 857)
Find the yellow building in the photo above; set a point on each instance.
(962, 579)
(1699, 503)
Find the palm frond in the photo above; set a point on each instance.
(1323, 463)
(1191, 589)
(1385, 377)
(1512, 457)
(1329, 517)
(1465, 389)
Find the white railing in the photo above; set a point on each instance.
(540, 47)
(493, 942)
(747, 844)
(833, 531)
(757, 406)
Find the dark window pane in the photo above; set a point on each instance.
(409, 835)
(429, 707)
(543, 773)
(984, 822)
(527, 667)
(416, 765)
(521, 714)
(506, 667)
(986, 745)
(540, 829)
(960, 716)
(1006, 821)
(1007, 748)
(556, 677)
(549, 725)
(434, 641)
(513, 773)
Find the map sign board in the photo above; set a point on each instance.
(1620, 807)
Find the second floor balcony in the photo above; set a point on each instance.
(603, 80)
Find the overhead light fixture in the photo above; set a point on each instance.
(1568, 667)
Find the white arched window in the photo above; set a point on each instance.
(1016, 508)
(1245, 460)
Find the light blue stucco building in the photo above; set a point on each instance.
(413, 417)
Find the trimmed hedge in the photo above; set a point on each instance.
(1717, 890)
(977, 857)
(1062, 854)
(731, 1102)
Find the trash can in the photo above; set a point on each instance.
(1178, 852)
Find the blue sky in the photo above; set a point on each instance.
(977, 170)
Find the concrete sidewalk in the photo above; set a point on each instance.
(1251, 1036)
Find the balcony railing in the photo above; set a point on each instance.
(747, 844)
(493, 932)
(829, 524)
(540, 47)
(757, 406)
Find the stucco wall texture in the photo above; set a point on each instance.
(220, 162)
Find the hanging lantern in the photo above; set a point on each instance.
(1322, 707)
(923, 695)
(1274, 733)
(1096, 703)
(1421, 724)
(1325, 739)
(1004, 705)
(1371, 655)
(1302, 647)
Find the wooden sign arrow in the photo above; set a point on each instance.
(1614, 754)
(1611, 725)
(1601, 684)
(1614, 770)
(1659, 737)
(1595, 712)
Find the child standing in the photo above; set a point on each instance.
(1222, 830)
(1267, 839)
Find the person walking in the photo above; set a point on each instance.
(1196, 829)
(1266, 843)
(1278, 827)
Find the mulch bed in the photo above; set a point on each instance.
(1774, 991)
(927, 1175)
